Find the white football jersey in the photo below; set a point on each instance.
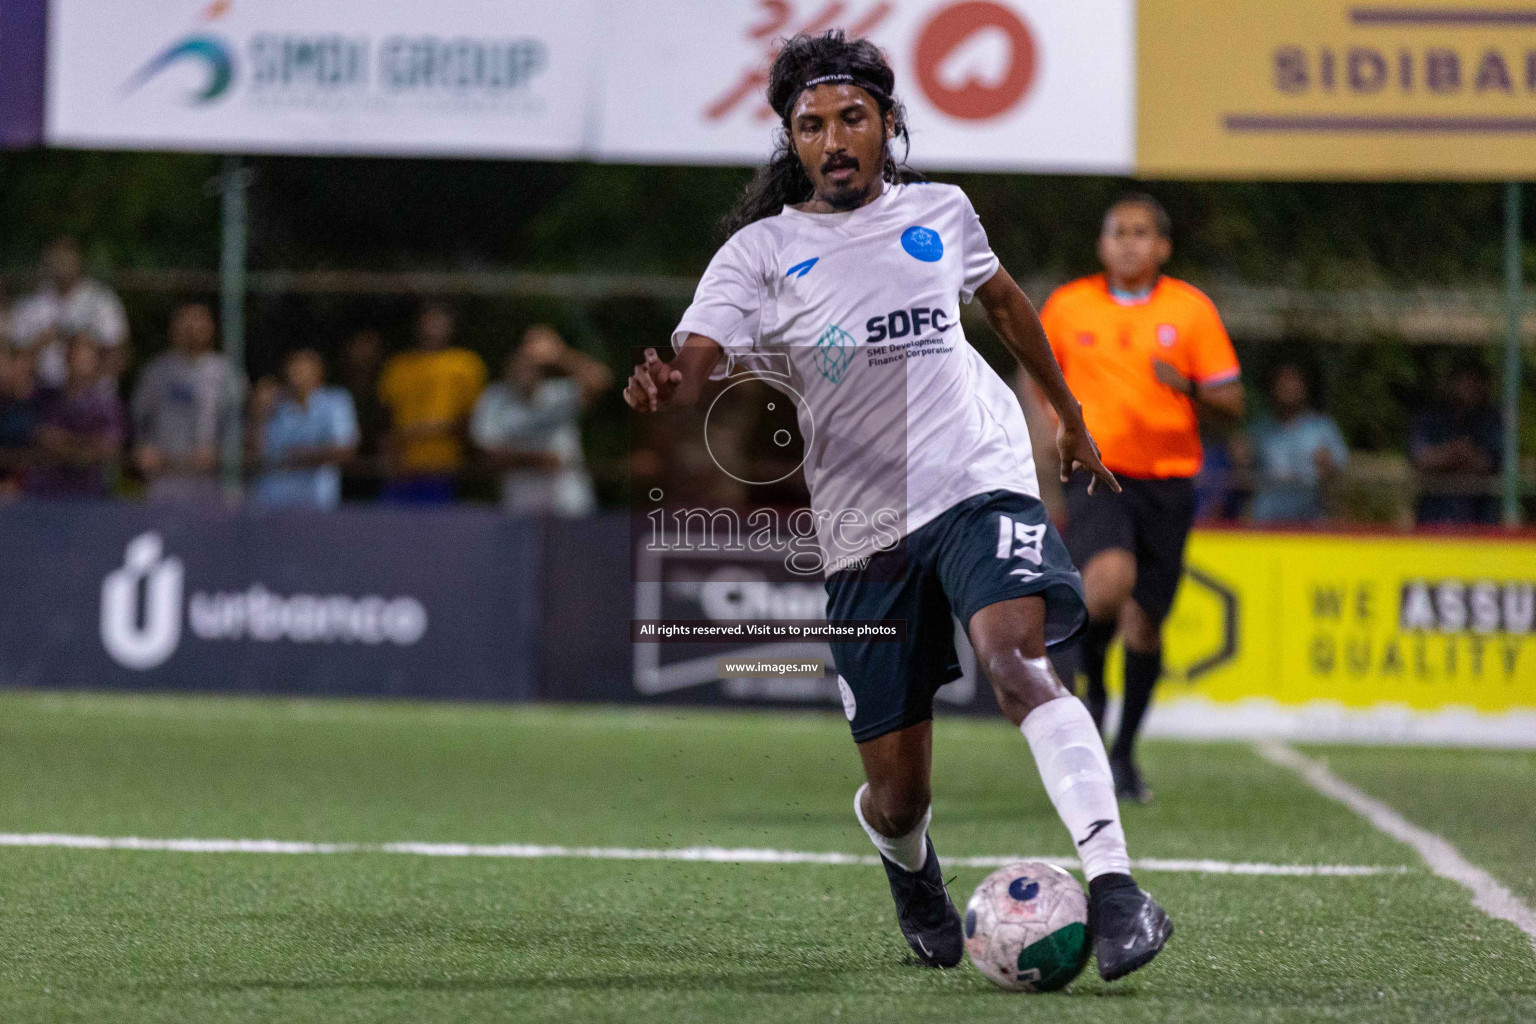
(856, 316)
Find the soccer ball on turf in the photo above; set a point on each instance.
(1026, 927)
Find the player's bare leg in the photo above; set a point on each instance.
(1108, 581)
(894, 807)
(897, 796)
(1128, 926)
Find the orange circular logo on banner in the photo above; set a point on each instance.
(955, 26)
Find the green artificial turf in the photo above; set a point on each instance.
(1484, 801)
(124, 936)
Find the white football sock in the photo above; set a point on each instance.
(1070, 755)
(909, 851)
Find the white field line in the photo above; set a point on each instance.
(1488, 895)
(708, 854)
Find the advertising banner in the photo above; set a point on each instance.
(1300, 636)
(1005, 84)
(473, 77)
(1335, 89)
(1156, 88)
(1016, 85)
(379, 603)
(1317, 636)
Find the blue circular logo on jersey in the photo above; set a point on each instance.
(923, 244)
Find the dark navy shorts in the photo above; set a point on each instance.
(993, 547)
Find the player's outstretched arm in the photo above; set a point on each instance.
(1013, 317)
(654, 384)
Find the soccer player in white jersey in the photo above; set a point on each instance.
(847, 270)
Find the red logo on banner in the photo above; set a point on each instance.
(780, 20)
(957, 26)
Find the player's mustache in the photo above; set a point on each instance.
(836, 163)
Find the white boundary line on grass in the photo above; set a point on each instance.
(1488, 895)
(707, 854)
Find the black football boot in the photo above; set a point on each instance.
(1127, 925)
(925, 913)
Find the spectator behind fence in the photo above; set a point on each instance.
(361, 357)
(1457, 448)
(20, 409)
(527, 425)
(66, 304)
(429, 392)
(186, 402)
(310, 432)
(1219, 490)
(1294, 451)
(80, 430)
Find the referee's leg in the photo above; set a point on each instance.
(1165, 510)
(1109, 578)
(1142, 637)
(1101, 537)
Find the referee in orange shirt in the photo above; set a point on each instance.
(1147, 356)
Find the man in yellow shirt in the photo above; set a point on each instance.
(429, 393)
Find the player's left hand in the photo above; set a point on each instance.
(651, 384)
(1077, 450)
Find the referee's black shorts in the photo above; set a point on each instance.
(1148, 518)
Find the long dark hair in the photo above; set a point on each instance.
(859, 62)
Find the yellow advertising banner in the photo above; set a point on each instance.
(1420, 625)
(1330, 88)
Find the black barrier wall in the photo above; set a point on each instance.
(439, 603)
(587, 601)
(447, 603)
(592, 590)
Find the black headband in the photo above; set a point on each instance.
(841, 78)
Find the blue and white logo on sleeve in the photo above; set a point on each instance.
(923, 244)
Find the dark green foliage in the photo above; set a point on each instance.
(136, 210)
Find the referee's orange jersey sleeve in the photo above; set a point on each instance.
(1106, 349)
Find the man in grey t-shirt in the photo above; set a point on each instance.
(186, 402)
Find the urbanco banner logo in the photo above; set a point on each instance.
(145, 608)
(135, 637)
